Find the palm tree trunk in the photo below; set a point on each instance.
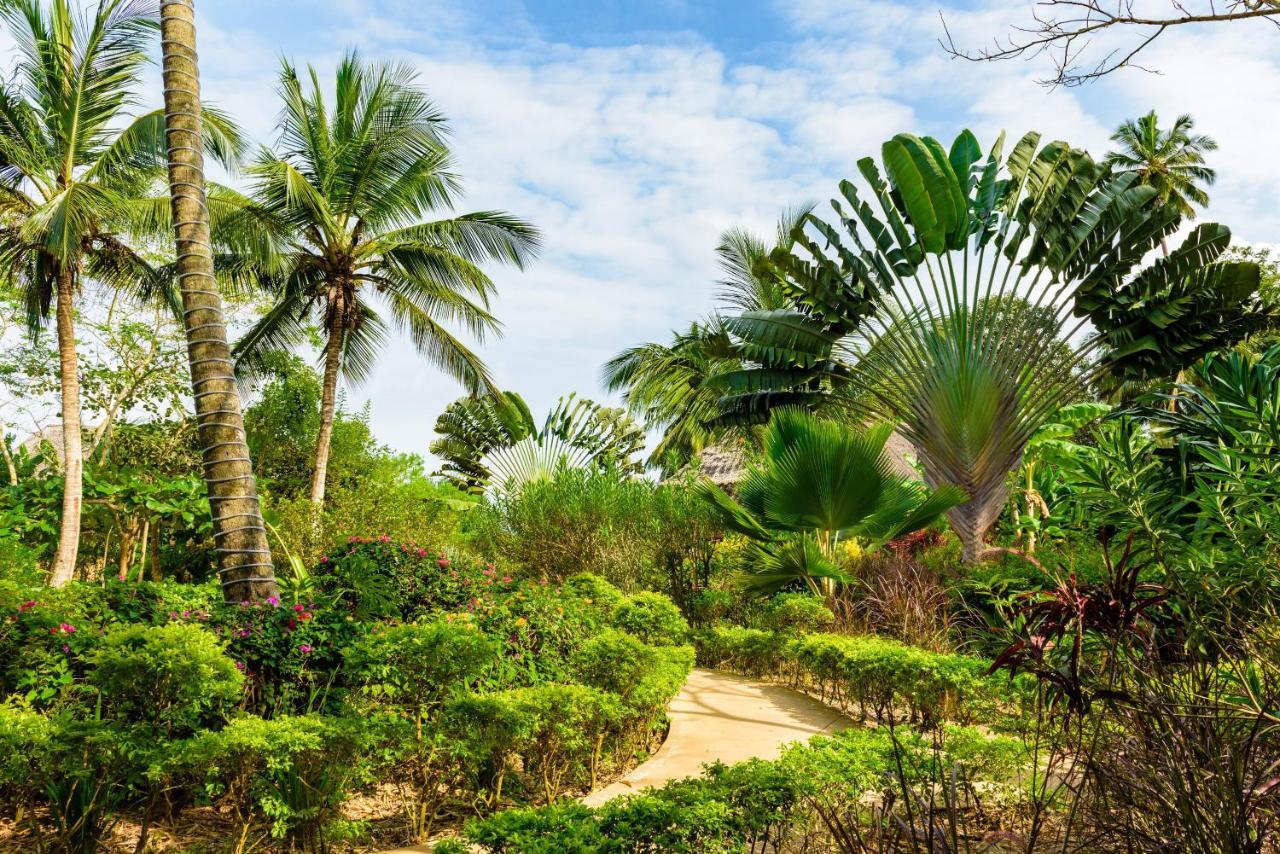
(328, 402)
(244, 558)
(64, 562)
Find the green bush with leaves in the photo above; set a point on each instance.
(801, 801)
(878, 677)
(292, 772)
(546, 737)
(173, 677)
(653, 618)
(798, 612)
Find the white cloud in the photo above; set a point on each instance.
(633, 158)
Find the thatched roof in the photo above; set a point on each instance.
(51, 435)
(725, 463)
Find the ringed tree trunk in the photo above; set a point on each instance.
(328, 401)
(244, 557)
(63, 568)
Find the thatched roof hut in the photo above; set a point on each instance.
(725, 463)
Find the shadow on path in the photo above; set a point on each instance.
(726, 718)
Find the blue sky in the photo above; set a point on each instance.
(633, 133)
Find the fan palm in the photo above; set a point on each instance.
(920, 279)
(346, 191)
(492, 442)
(819, 482)
(1171, 161)
(73, 164)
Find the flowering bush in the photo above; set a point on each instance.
(290, 655)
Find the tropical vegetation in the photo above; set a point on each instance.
(981, 456)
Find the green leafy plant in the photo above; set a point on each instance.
(922, 265)
(820, 482)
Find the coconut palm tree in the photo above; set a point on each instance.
(244, 557)
(1171, 161)
(818, 483)
(346, 192)
(73, 162)
(672, 385)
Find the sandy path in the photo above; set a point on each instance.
(718, 716)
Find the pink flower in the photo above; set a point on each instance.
(67, 628)
(27, 606)
(305, 648)
(239, 665)
(506, 579)
(273, 600)
(443, 563)
(324, 558)
(244, 633)
(299, 607)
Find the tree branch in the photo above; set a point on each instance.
(1065, 30)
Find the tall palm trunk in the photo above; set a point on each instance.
(244, 558)
(64, 562)
(328, 400)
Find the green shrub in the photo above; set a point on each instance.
(797, 802)
(293, 772)
(557, 732)
(594, 590)
(290, 654)
(411, 670)
(653, 618)
(417, 666)
(798, 612)
(173, 677)
(876, 675)
(754, 652)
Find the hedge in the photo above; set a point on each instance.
(873, 676)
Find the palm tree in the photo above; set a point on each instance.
(346, 192)
(818, 483)
(673, 385)
(919, 269)
(1171, 161)
(244, 557)
(492, 442)
(72, 162)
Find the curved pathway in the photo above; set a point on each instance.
(721, 717)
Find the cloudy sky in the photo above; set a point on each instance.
(633, 133)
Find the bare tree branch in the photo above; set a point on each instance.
(1065, 30)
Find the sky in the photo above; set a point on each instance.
(634, 133)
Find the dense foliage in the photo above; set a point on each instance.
(391, 663)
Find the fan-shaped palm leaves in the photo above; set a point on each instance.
(492, 442)
(914, 268)
(820, 482)
(345, 193)
(74, 166)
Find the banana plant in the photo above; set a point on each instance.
(819, 483)
(899, 297)
(492, 443)
(1050, 445)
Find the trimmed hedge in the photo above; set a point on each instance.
(872, 675)
(759, 805)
